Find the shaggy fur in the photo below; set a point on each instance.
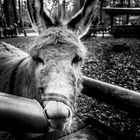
(18, 70)
(53, 65)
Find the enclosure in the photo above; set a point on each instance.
(110, 61)
(115, 61)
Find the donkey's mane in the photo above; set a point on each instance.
(17, 72)
(10, 58)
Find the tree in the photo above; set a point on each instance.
(14, 3)
(10, 12)
(63, 9)
(101, 10)
(1, 13)
(19, 9)
(6, 12)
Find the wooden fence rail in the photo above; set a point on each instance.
(119, 97)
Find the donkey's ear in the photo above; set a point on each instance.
(39, 18)
(80, 22)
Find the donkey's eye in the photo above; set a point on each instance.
(38, 60)
(76, 59)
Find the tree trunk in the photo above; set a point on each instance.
(19, 10)
(1, 14)
(63, 9)
(59, 11)
(127, 16)
(0, 8)
(101, 11)
(6, 12)
(14, 11)
(136, 2)
(121, 3)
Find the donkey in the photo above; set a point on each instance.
(51, 71)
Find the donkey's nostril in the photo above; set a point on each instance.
(56, 109)
(58, 114)
(69, 113)
(46, 114)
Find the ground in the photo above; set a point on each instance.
(115, 61)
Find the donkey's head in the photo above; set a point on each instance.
(58, 54)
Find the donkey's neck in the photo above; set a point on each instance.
(12, 78)
(25, 81)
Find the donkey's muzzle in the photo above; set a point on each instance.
(58, 110)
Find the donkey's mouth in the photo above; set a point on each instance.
(59, 124)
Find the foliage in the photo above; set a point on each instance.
(59, 8)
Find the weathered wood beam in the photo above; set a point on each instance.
(120, 97)
(21, 114)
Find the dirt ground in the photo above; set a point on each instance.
(115, 61)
